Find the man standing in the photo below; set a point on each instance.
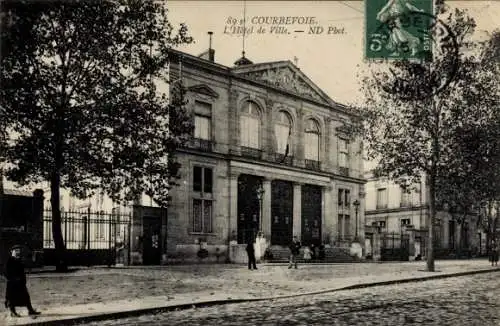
(17, 294)
(294, 252)
(251, 254)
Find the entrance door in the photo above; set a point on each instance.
(281, 213)
(248, 207)
(151, 249)
(311, 215)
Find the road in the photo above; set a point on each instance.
(468, 300)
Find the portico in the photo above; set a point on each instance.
(291, 203)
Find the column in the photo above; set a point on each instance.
(233, 207)
(266, 209)
(328, 215)
(297, 210)
(268, 131)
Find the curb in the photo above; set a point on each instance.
(204, 304)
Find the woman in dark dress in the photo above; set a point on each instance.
(17, 294)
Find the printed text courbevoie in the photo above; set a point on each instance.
(282, 20)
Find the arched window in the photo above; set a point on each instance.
(312, 138)
(282, 132)
(250, 125)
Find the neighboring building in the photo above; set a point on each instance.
(21, 223)
(396, 210)
(264, 134)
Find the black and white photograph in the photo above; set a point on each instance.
(250, 162)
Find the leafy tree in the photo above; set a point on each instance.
(83, 100)
(412, 130)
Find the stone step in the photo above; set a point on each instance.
(332, 255)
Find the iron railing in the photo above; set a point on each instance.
(251, 152)
(87, 229)
(312, 165)
(281, 158)
(204, 145)
(344, 171)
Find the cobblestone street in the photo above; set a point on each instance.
(102, 284)
(467, 300)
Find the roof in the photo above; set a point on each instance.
(282, 75)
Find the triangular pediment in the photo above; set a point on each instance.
(284, 75)
(203, 89)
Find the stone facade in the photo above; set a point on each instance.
(395, 211)
(221, 158)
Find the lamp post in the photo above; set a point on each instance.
(260, 195)
(356, 204)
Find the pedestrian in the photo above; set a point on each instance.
(251, 254)
(307, 254)
(16, 294)
(494, 253)
(294, 252)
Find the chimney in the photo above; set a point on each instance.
(210, 53)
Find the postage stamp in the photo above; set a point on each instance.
(392, 32)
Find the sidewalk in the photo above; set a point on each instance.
(102, 293)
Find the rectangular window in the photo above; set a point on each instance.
(347, 201)
(382, 198)
(202, 216)
(202, 127)
(347, 226)
(343, 153)
(344, 197)
(202, 179)
(202, 208)
(207, 180)
(405, 221)
(197, 215)
(340, 226)
(197, 178)
(405, 197)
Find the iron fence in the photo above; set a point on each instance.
(395, 246)
(90, 237)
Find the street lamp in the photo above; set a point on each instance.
(260, 194)
(356, 204)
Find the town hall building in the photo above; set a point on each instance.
(269, 158)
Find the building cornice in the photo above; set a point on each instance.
(227, 72)
(268, 164)
(395, 210)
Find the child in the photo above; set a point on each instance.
(307, 254)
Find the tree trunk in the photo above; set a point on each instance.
(432, 217)
(55, 188)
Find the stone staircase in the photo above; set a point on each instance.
(332, 255)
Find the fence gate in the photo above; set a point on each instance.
(395, 247)
(91, 238)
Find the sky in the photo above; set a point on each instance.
(332, 61)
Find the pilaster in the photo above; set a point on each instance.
(297, 210)
(267, 131)
(233, 122)
(299, 145)
(233, 206)
(328, 217)
(266, 208)
(326, 150)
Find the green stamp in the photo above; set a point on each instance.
(398, 29)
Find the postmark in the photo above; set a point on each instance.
(434, 61)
